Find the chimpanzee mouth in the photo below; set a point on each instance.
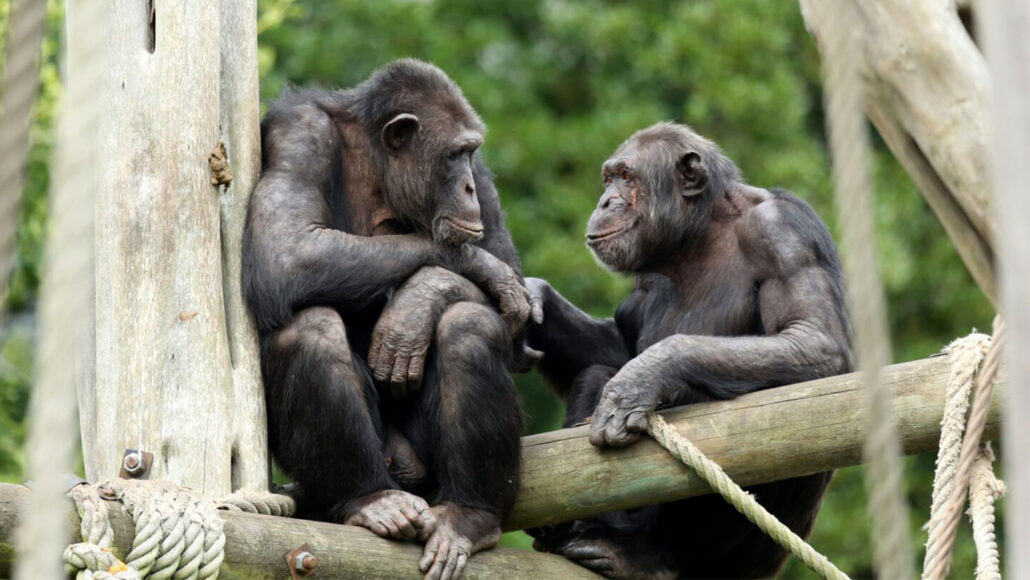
(471, 228)
(607, 235)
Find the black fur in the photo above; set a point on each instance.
(337, 224)
(737, 289)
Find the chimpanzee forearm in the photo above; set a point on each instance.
(571, 339)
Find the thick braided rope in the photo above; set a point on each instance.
(849, 147)
(178, 534)
(259, 502)
(945, 524)
(20, 83)
(965, 355)
(91, 562)
(92, 558)
(984, 490)
(681, 448)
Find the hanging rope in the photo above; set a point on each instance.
(681, 448)
(20, 83)
(65, 302)
(956, 462)
(849, 148)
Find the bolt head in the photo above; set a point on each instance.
(305, 562)
(133, 463)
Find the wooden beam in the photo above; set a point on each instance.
(926, 91)
(765, 436)
(256, 547)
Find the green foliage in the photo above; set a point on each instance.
(561, 83)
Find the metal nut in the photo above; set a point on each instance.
(305, 563)
(133, 463)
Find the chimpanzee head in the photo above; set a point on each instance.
(658, 192)
(426, 136)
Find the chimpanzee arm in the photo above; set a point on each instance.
(800, 300)
(571, 339)
(406, 327)
(294, 257)
(292, 254)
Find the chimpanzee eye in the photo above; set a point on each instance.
(608, 179)
(626, 176)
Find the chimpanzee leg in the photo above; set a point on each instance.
(466, 425)
(325, 428)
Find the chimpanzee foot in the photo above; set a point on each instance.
(460, 532)
(616, 557)
(390, 513)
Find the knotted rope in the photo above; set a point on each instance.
(681, 448)
(178, 533)
(963, 462)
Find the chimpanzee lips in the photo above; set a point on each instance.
(471, 228)
(593, 238)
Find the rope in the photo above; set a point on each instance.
(958, 470)
(259, 502)
(65, 303)
(20, 83)
(681, 448)
(849, 147)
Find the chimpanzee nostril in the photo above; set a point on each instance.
(606, 203)
(470, 189)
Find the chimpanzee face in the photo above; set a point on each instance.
(651, 202)
(430, 182)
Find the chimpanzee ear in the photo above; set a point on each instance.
(692, 174)
(399, 132)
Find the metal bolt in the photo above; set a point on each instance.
(305, 563)
(133, 463)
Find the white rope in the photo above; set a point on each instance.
(259, 502)
(964, 463)
(65, 304)
(20, 84)
(849, 147)
(681, 448)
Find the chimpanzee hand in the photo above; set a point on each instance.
(621, 414)
(402, 335)
(501, 282)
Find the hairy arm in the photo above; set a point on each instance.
(571, 339)
(800, 301)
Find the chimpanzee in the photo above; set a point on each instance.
(371, 237)
(737, 289)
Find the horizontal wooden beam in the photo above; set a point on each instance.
(765, 436)
(256, 547)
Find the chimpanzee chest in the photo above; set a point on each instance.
(717, 302)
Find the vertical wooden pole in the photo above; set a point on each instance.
(1005, 33)
(176, 369)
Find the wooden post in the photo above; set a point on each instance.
(926, 92)
(176, 369)
(1005, 30)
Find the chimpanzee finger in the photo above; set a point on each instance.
(399, 375)
(460, 567)
(597, 428)
(415, 368)
(637, 422)
(536, 305)
(429, 554)
(450, 563)
(406, 531)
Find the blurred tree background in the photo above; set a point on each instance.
(560, 83)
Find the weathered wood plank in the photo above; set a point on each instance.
(927, 87)
(765, 436)
(257, 545)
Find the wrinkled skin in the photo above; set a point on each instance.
(737, 289)
(390, 308)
